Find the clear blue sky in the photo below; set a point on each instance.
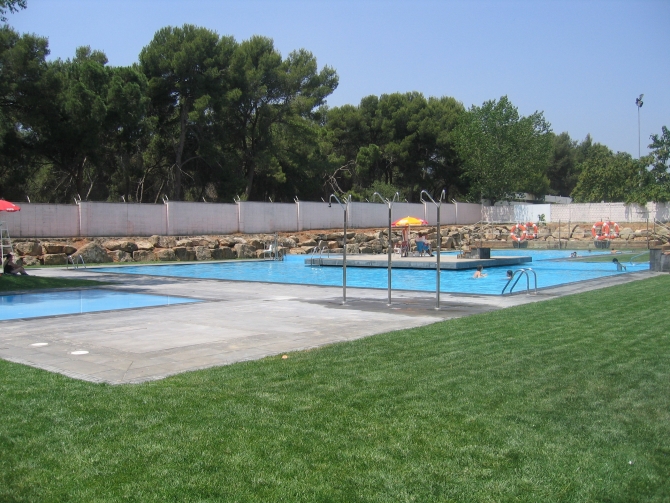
(581, 62)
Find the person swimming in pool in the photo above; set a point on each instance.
(619, 266)
(479, 272)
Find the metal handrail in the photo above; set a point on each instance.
(521, 272)
(630, 262)
(75, 263)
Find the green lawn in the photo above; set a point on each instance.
(563, 400)
(9, 283)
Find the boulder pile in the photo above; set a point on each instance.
(60, 251)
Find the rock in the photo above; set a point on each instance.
(126, 246)
(55, 259)
(92, 253)
(306, 249)
(29, 260)
(144, 256)
(353, 248)
(226, 241)
(228, 253)
(223, 253)
(297, 251)
(448, 243)
(626, 233)
(184, 254)
(310, 242)
(120, 256)
(163, 241)
(52, 248)
(30, 248)
(258, 245)
(144, 245)
(367, 249)
(165, 255)
(245, 251)
(202, 253)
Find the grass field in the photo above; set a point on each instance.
(9, 283)
(563, 400)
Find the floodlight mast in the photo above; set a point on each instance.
(389, 202)
(344, 206)
(439, 241)
(639, 103)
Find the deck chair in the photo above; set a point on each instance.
(269, 251)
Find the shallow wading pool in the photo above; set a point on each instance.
(33, 305)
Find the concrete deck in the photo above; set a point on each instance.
(236, 322)
(447, 262)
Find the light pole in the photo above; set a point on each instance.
(639, 103)
(389, 244)
(439, 242)
(344, 206)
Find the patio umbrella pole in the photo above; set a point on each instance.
(389, 244)
(439, 243)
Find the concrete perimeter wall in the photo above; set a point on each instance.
(267, 217)
(92, 219)
(43, 220)
(189, 219)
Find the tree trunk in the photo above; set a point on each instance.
(176, 190)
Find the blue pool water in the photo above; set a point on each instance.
(32, 305)
(550, 269)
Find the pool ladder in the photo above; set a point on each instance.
(318, 249)
(518, 274)
(75, 262)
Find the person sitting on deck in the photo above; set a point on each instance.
(422, 245)
(9, 267)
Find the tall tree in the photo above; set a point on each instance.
(270, 98)
(503, 152)
(608, 177)
(187, 69)
(10, 6)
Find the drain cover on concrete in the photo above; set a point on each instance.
(79, 353)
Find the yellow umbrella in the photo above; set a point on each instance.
(409, 221)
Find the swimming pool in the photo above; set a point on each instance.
(551, 271)
(34, 305)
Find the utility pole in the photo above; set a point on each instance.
(639, 103)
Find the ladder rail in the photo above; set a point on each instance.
(518, 274)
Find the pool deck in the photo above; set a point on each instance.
(237, 321)
(447, 262)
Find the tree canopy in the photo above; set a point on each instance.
(206, 117)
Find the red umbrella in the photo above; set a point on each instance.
(7, 206)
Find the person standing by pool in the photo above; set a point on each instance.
(404, 246)
(479, 273)
(9, 267)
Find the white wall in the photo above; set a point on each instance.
(121, 219)
(517, 213)
(188, 218)
(468, 213)
(319, 216)
(44, 220)
(267, 217)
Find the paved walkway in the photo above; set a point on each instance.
(236, 321)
